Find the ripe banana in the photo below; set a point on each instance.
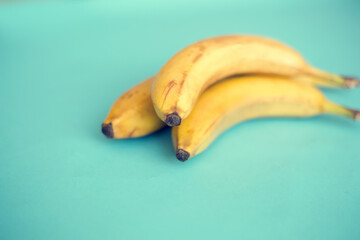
(242, 98)
(187, 74)
(132, 115)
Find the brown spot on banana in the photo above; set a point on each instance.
(181, 84)
(132, 132)
(173, 119)
(210, 126)
(197, 57)
(169, 87)
(128, 95)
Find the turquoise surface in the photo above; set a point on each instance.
(62, 65)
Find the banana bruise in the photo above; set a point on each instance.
(243, 98)
(132, 115)
(188, 73)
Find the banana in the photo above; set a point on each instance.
(242, 98)
(187, 74)
(132, 115)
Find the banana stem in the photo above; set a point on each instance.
(351, 82)
(333, 108)
(341, 81)
(356, 115)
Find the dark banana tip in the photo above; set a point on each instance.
(173, 119)
(351, 82)
(182, 155)
(107, 130)
(357, 116)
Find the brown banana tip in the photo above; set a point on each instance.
(351, 82)
(173, 119)
(182, 155)
(107, 130)
(357, 115)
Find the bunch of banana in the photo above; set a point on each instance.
(255, 77)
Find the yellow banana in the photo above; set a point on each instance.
(133, 114)
(187, 74)
(242, 98)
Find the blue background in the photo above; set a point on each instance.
(62, 65)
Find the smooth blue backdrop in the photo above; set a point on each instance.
(62, 64)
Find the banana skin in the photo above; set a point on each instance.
(243, 98)
(132, 115)
(187, 74)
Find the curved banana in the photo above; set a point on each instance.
(243, 98)
(188, 73)
(132, 115)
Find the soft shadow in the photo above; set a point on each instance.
(337, 121)
(163, 139)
